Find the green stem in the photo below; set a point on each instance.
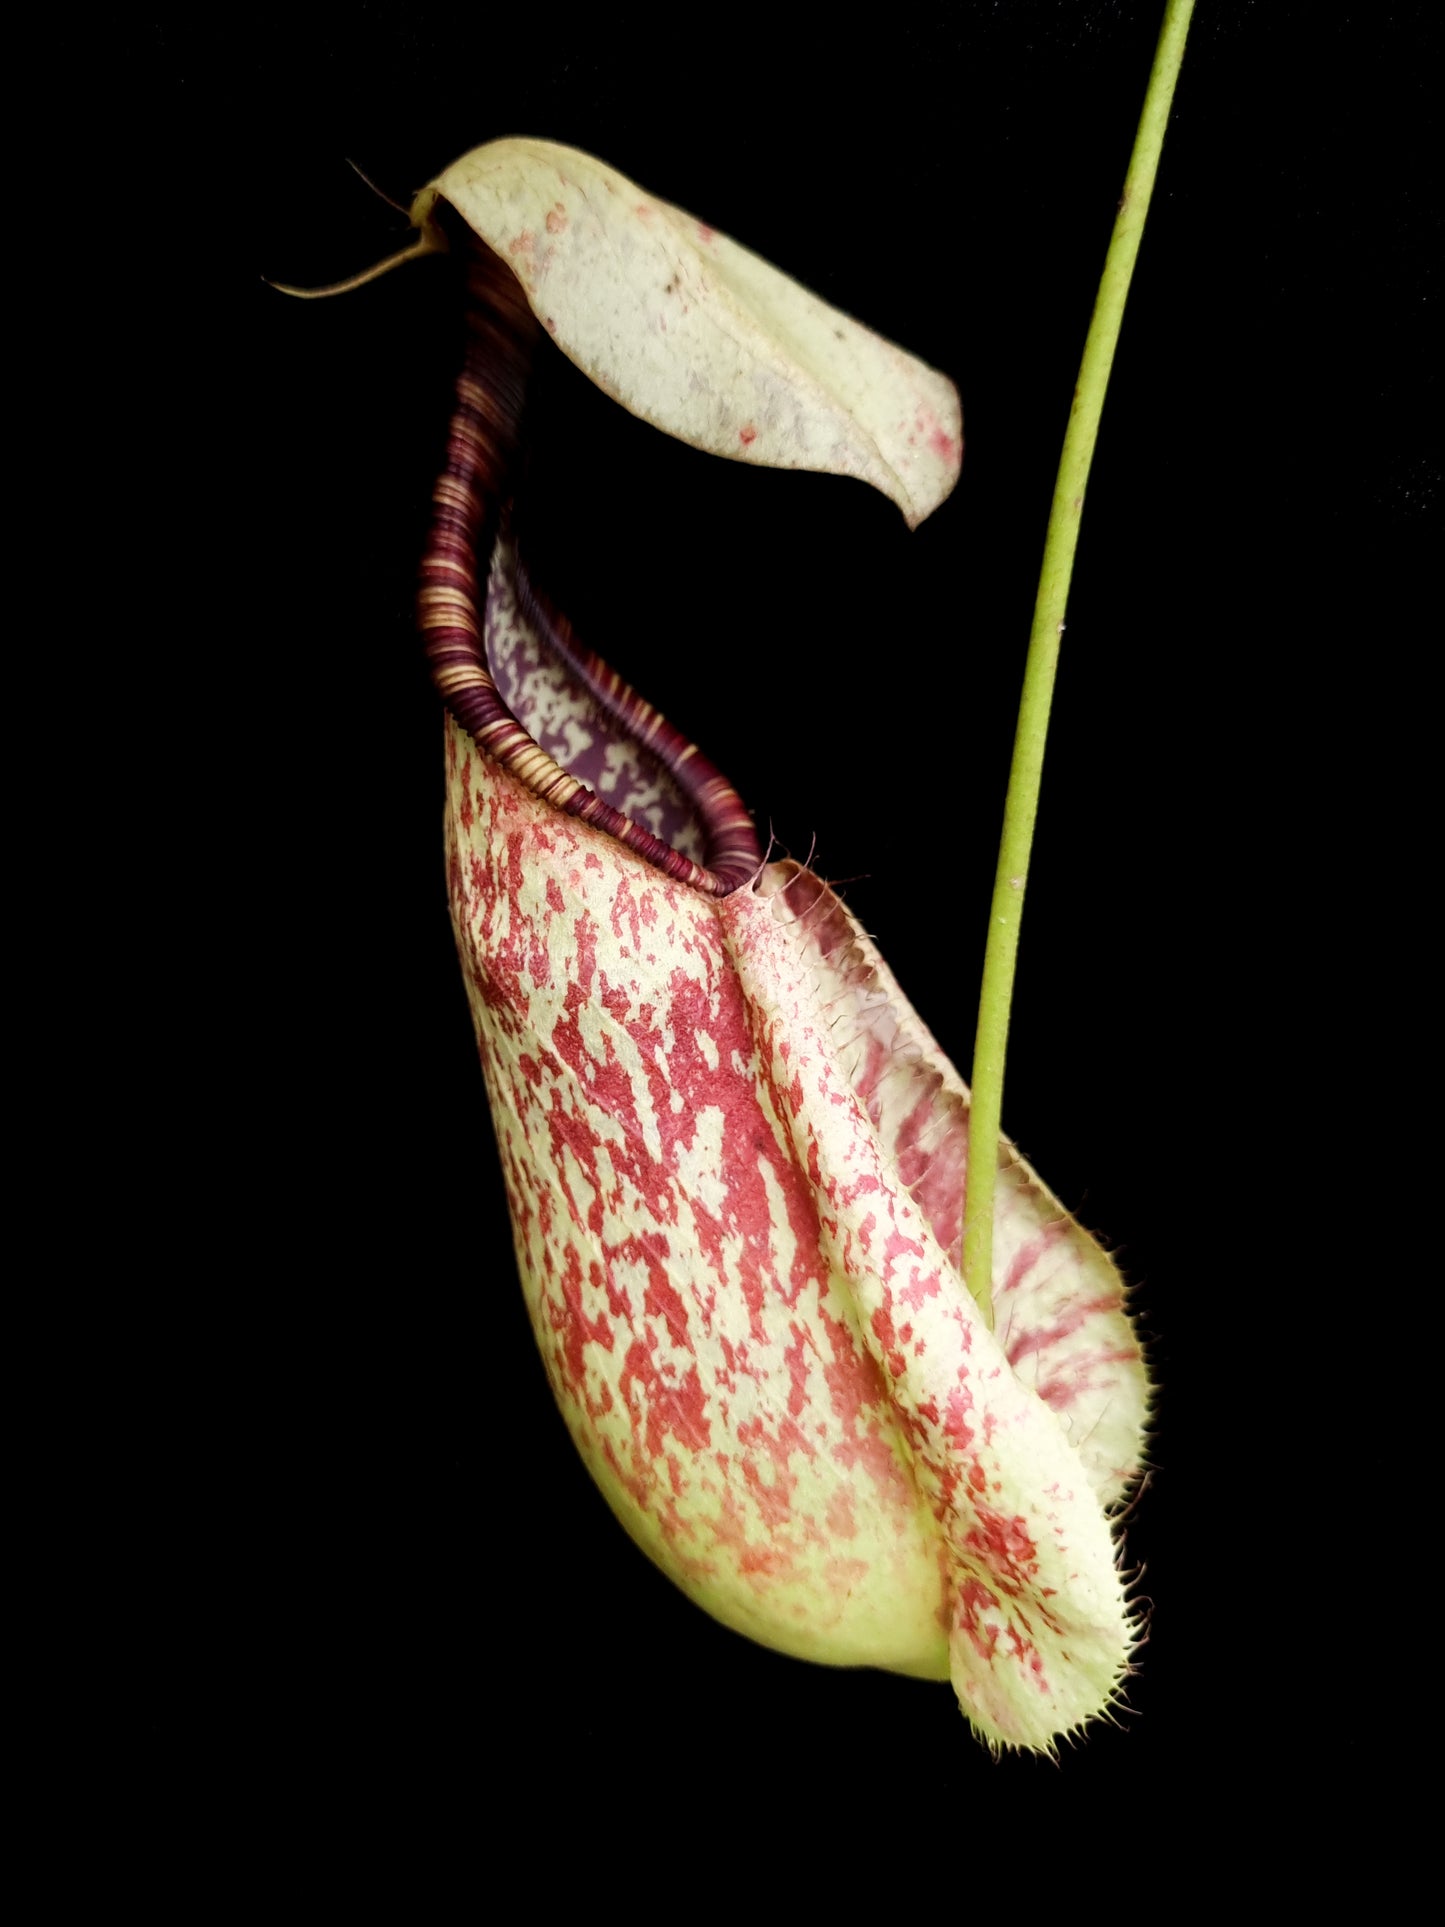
(1021, 806)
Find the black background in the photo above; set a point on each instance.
(368, 1572)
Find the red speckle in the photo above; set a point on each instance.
(974, 1600)
(574, 1329)
(557, 219)
(956, 1423)
(797, 1372)
(1029, 1342)
(842, 1521)
(1030, 1253)
(1005, 1547)
(705, 234)
(660, 1404)
(939, 440)
(747, 434)
(896, 1246)
(887, 1338)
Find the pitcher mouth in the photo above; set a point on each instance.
(507, 662)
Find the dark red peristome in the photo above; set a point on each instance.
(466, 521)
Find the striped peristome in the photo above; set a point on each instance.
(485, 429)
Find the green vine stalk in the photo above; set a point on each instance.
(1021, 804)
